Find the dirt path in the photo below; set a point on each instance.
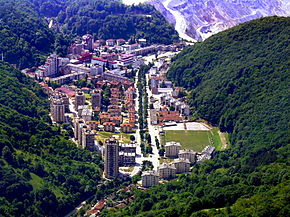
(223, 140)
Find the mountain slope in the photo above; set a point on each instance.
(200, 19)
(41, 173)
(239, 80)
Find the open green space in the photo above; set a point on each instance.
(124, 137)
(194, 140)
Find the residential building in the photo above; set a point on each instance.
(127, 158)
(88, 42)
(50, 68)
(172, 149)
(96, 98)
(57, 108)
(182, 165)
(80, 99)
(111, 158)
(109, 126)
(126, 128)
(87, 114)
(93, 125)
(149, 179)
(167, 171)
(121, 41)
(128, 147)
(104, 117)
(187, 154)
(88, 137)
(110, 42)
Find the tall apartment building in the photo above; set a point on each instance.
(88, 137)
(111, 158)
(50, 68)
(80, 99)
(57, 109)
(182, 165)
(187, 154)
(149, 179)
(96, 98)
(172, 149)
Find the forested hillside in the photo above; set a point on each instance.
(26, 40)
(41, 173)
(239, 80)
(24, 36)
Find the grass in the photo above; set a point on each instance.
(36, 182)
(102, 135)
(194, 140)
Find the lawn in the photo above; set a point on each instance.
(102, 135)
(194, 140)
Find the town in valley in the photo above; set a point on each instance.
(115, 98)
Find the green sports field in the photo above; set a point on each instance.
(194, 140)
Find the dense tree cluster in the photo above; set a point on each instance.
(109, 19)
(239, 80)
(41, 173)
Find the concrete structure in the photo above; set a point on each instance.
(88, 137)
(126, 128)
(87, 114)
(93, 125)
(182, 165)
(149, 179)
(187, 154)
(96, 98)
(57, 109)
(109, 126)
(126, 159)
(167, 171)
(128, 147)
(172, 149)
(110, 42)
(111, 158)
(50, 68)
(80, 99)
(88, 42)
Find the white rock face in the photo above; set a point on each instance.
(199, 19)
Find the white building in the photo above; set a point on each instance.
(182, 165)
(149, 179)
(172, 149)
(187, 154)
(167, 171)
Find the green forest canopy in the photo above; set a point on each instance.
(239, 81)
(41, 173)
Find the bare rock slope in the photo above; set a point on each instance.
(199, 19)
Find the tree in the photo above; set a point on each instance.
(7, 154)
(132, 138)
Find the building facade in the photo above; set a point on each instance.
(80, 99)
(182, 165)
(57, 110)
(96, 98)
(111, 158)
(167, 171)
(187, 154)
(149, 179)
(172, 149)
